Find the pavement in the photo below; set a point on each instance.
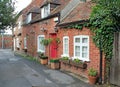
(16, 71)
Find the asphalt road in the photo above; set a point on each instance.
(16, 71)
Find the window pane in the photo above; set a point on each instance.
(77, 51)
(84, 52)
(84, 40)
(84, 55)
(77, 40)
(84, 49)
(41, 46)
(66, 40)
(65, 47)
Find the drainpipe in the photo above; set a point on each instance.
(100, 68)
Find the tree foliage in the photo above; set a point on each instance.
(7, 15)
(104, 21)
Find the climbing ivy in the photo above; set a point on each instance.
(104, 21)
(77, 26)
(103, 24)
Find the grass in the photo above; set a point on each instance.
(28, 57)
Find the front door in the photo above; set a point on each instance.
(53, 46)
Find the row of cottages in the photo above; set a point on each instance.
(58, 20)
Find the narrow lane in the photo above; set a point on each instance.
(16, 71)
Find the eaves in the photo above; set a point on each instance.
(50, 16)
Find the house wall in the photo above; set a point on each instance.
(94, 54)
(7, 41)
(34, 30)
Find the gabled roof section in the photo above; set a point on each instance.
(80, 12)
(56, 2)
(62, 5)
(68, 8)
(35, 10)
(54, 12)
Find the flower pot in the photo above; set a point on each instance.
(44, 61)
(92, 79)
(55, 65)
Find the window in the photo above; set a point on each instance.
(65, 46)
(25, 42)
(81, 47)
(17, 42)
(29, 17)
(41, 47)
(45, 11)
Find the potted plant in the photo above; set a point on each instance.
(46, 42)
(43, 58)
(54, 63)
(92, 75)
(78, 63)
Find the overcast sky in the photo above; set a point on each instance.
(21, 4)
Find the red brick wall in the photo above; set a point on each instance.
(7, 43)
(33, 31)
(93, 50)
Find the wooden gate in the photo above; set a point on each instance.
(115, 62)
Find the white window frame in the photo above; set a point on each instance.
(81, 45)
(45, 12)
(29, 17)
(17, 42)
(64, 53)
(25, 43)
(38, 44)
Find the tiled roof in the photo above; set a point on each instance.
(50, 1)
(81, 12)
(35, 10)
(60, 7)
(56, 10)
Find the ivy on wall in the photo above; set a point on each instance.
(77, 26)
(104, 21)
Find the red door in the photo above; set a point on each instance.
(53, 47)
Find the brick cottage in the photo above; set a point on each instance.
(56, 20)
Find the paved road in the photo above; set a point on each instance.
(16, 71)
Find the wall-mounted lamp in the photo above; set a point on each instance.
(56, 29)
(43, 29)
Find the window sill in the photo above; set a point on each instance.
(63, 55)
(84, 60)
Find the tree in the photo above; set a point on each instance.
(104, 21)
(7, 15)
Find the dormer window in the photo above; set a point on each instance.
(45, 11)
(29, 17)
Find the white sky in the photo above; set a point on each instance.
(21, 4)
